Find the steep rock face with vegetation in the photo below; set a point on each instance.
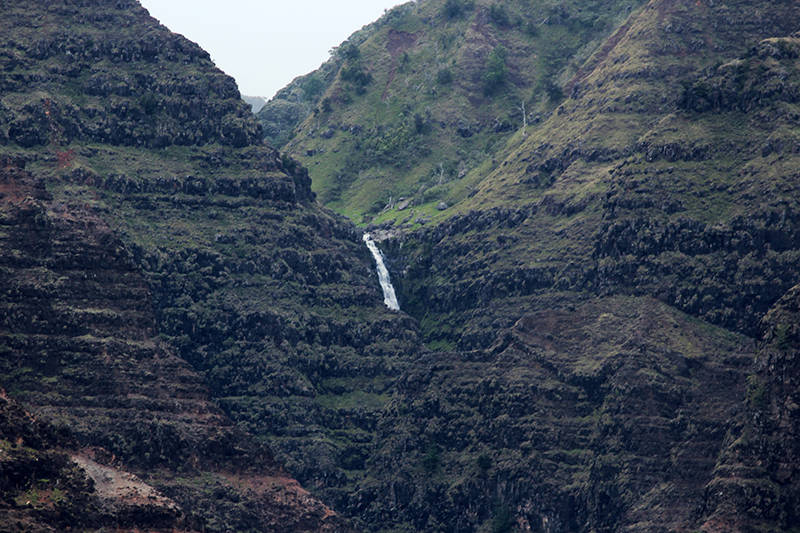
(662, 172)
(141, 232)
(755, 481)
(628, 188)
(125, 81)
(79, 348)
(576, 342)
(43, 489)
(603, 416)
(668, 174)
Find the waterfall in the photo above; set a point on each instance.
(389, 297)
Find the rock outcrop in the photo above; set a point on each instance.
(755, 485)
(138, 83)
(79, 348)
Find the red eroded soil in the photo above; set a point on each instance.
(397, 42)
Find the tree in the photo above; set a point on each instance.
(452, 8)
(495, 73)
(431, 459)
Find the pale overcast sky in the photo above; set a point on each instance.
(266, 44)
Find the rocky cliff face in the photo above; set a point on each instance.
(665, 172)
(45, 488)
(131, 82)
(575, 348)
(624, 190)
(603, 416)
(755, 481)
(80, 349)
(218, 263)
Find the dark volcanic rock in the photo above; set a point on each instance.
(595, 418)
(756, 485)
(117, 78)
(78, 346)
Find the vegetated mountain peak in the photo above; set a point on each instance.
(150, 77)
(106, 116)
(629, 150)
(633, 92)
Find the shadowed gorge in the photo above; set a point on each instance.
(588, 212)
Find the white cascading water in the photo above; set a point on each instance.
(389, 297)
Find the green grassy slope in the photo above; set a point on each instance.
(429, 93)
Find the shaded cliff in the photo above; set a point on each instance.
(605, 416)
(80, 349)
(755, 483)
(210, 273)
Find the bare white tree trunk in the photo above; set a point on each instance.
(524, 118)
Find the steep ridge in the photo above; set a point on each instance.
(755, 483)
(628, 188)
(108, 73)
(270, 298)
(79, 348)
(268, 269)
